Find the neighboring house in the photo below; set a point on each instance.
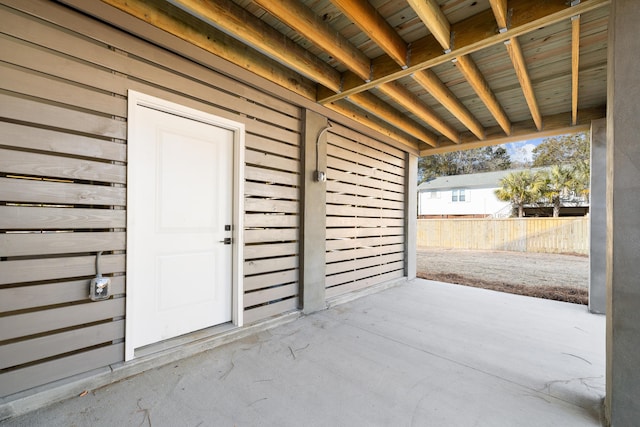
(473, 196)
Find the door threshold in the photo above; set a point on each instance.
(182, 340)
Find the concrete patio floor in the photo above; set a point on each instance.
(423, 353)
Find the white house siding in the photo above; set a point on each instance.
(478, 201)
(63, 120)
(365, 212)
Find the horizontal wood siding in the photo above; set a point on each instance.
(365, 212)
(550, 235)
(62, 199)
(272, 225)
(64, 79)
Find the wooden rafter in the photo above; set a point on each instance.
(294, 67)
(517, 58)
(346, 109)
(374, 105)
(233, 20)
(299, 17)
(302, 19)
(499, 8)
(556, 124)
(367, 18)
(229, 49)
(412, 103)
(430, 13)
(575, 65)
(430, 81)
(471, 35)
(434, 19)
(470, 71)
(224, 46)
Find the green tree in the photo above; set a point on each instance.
(562, 150)
(484, 159)
(581, 179)
(558, 182)
(520, 188)
(568, 156)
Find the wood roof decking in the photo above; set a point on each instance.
(437, 75)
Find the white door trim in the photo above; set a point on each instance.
(137, 99)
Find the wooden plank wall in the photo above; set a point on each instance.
(272, 225)
(365, 212)
(63, 104)
(549, 235)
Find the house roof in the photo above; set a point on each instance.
(433, 75)
(472, 180)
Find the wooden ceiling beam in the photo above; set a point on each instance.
(471, 35)
(198, 31)
(575, 65)
(234, 20)
(499, 8)
(556, 124)
(311, 26)
(430, 81)
(211, 40)
(367, 18)
(347, 109)
(432, 16)
(411, 102)
(381, 109)
(306, 22)
(520, 65)
(470, 71)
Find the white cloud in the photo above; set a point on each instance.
(522, 151)
(525, 153)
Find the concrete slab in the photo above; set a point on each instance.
(425, 353)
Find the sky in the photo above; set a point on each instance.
(521, 151)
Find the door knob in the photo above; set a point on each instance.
(226, 241)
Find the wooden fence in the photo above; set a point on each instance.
(551, 235)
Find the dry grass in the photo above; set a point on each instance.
(571, 294)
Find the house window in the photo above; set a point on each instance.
(458, 195)
(434, 194)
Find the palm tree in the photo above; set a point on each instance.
(520, 188)
(581, 182)
(558, 181)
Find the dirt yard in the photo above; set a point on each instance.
(552, 276)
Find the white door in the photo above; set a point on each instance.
(180, 211)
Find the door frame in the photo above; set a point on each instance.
(136, 100)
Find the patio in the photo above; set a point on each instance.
(422, 353)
